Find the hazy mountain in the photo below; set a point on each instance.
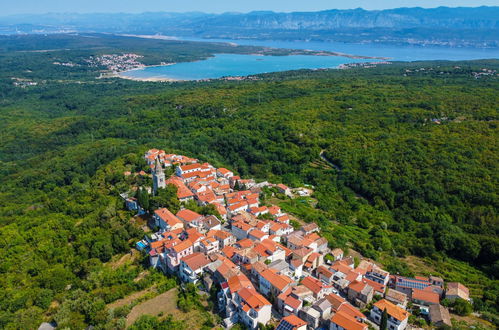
(443, 25)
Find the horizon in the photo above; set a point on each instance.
(32, 7)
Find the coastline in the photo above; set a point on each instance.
(123, 74)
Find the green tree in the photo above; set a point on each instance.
(383, 324)
(462, 307)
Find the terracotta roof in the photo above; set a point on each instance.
(220, 234)
(184, 245)
(168, 217)
(229, 251)
(258, 234)
(378, 287)
(335, 300)
(276, 280)
(190, 167)
(425, 296)
(291, 322)
(182, 190)
(340, 267)
(347, 322)
(324, 271)
(242, 225)
(352, 276)
(293, 302)
(352, 311)
(313, 284)
(396, 295)
(239, 282)
(196, 260)
(223, 171)
(239, 205)
(188, 215)
(220, 208)
(282, 186)
(274, 209)
(357, 286)
(245, 243)
(253, 299)
(392, 310)
(283, 218)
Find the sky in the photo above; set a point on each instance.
(10, 7)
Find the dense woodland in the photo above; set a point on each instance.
(411, 168)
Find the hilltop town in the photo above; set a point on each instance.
(268, 271)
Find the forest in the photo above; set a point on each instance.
(415, 155)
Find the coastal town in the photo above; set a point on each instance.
(269, 269)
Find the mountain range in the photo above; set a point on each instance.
(463, 26)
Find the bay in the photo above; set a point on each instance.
(230, 65)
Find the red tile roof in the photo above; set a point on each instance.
(291, 322)
(392, 310)
(276, 280)
(184, 245)
(196, 261)
(168, 217)
(253, 299)
(188, 215)
(239, 282)
(347, 322)
(313, 284)
(425, 296)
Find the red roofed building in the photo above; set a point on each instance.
(241, 229)
(360, 293)
(183, 193)
(257, 235)
(239, 282)
(190, 218)
(318, 288)
(292, 322)
(425, 298)
(272, 283)
(283, 189)
(343, 321)
(397, 316)
(223, 172)
(253, 308)
(192, 266)
(177, 252)
(166, 220)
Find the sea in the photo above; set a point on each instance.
(232, 65)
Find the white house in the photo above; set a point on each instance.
(253, 308)
(192, 266)
(397, 316)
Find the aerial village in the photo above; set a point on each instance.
(268, 272)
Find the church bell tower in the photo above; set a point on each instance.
(158, 177)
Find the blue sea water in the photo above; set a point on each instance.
(394, 52)
(223, 65)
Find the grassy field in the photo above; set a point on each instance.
(159, 306)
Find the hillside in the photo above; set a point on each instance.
(458, 27)
(416, 153)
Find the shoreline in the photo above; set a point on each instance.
(123, 74)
